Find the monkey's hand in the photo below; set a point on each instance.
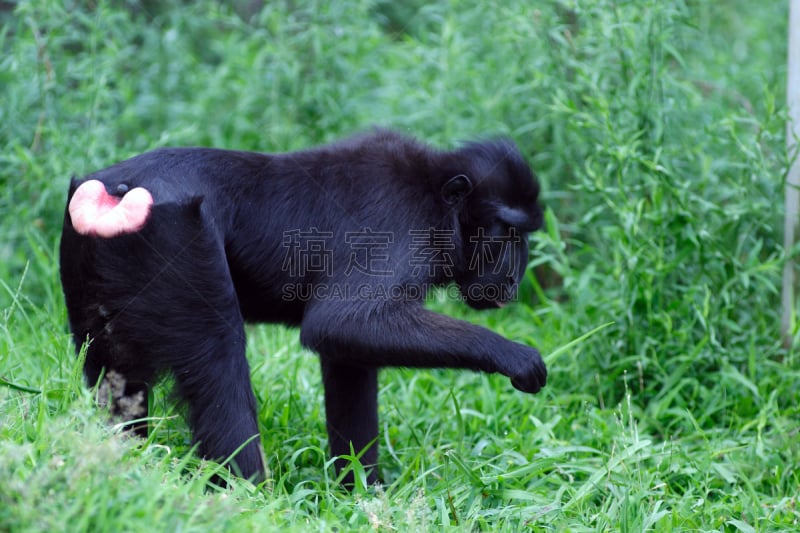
(531, 375)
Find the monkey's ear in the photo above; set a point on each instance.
(456, 189)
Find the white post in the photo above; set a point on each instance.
(793, 179)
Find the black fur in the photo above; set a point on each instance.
(174, 296)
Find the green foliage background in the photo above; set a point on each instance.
(657, 130)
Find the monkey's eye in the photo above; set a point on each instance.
(516, 218)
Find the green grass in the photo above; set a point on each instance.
(657, 129)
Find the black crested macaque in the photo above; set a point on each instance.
(165, 256)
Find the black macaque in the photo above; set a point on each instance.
(343, 240)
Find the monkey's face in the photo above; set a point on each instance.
(498, 215)
(496, 257)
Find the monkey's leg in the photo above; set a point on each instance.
(215, 382)
(188, 320)
(94, 300)
(197, 332)
(351, 410)
(162, 299)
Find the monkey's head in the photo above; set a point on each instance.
(496, 200)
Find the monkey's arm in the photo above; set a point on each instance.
(411, 336)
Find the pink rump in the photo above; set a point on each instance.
(95, 212)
